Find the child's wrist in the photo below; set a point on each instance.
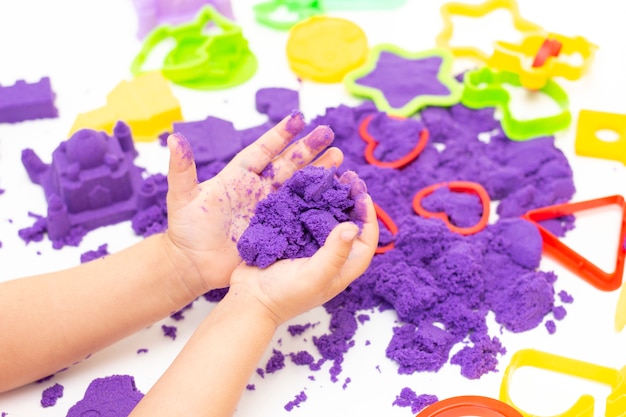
(184, 280)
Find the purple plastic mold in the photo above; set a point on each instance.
(91, 182)
(153, 13)
(27, 101)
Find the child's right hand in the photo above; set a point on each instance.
(291, 287)
(206, 220)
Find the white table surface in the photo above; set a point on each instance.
(86, 48)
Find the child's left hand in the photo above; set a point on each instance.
(206, 220)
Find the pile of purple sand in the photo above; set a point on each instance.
(295, 221)
(442, 285)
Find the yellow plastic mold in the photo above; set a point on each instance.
(145, 103)
(518, 58)
(584, 406)
(449, 10)
(588, 143)
(325, 49)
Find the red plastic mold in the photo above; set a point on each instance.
(572, 259)
(372, 143)
(388, 222)
(460, 186)
(469, 405)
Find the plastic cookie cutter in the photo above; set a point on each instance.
(572, 259)
(388, 222)
(590, 124)
(372, 143)
(584, 407)
(152, 13)
(325, 49)
(405, 73)
(283, 14)
(332, 5)
(449, 10)
(457, 186)
(548, 51)
(199, 60)
(469, 405)
(484, 87)
(146, 104)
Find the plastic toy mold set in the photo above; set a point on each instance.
(199, 60)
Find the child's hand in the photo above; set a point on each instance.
(206, 220)
(291, 287)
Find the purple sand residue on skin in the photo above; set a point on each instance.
(295, 221)
(319, 138)
(183, 147)
(295, 123)
(51, 394)
(114, 396)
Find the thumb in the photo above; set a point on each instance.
(330, 259)
(182, 177)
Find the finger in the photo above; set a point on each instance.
(301, 153)
(332, 157)
(331, 258)
(364, 246)
(182, 177)
(260, 153)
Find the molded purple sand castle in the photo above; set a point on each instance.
(91, 182)
(24, 101)
(113, 396)
(295, 221)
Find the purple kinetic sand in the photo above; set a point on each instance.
(113, 396)
(91, 182)
(402, 79)
(51, 394)
(169, 331)
(300, 398)
(277, 103)
(295, 221)
(23, 101)
(408, 398)
(101, 252)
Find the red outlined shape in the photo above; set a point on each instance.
(469, 405)
(372, 143)
(572, 259)
(388, 222)
(459, 186)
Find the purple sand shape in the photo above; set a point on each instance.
(402, 79)
(27, 101)
(91, 182)
(276, 102)
(152, 13)
(113, 396)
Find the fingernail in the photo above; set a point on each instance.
(183, 147)
(349, 235)
(320, 138)
(295, 123)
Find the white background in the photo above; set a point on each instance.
(86, 48)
